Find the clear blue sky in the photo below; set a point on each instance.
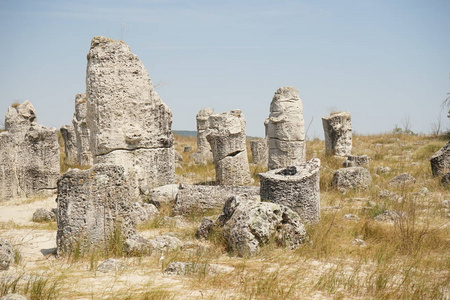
(384, 61)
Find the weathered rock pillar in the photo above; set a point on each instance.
(203, 153)
(285, 129)
(70, 145)
(296, 187)
(440, 161)
(29, 155)
(84, 154)
(260, 151)
(128, 123)
(338, 133)
(94, 206)
(226, 135)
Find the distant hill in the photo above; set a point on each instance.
(185, 132)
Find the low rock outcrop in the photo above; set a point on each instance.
(351, 178)
(296, 187)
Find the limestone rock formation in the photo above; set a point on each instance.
(247, 225)
(296, 187)
(6, 254)
(356, 161)
(351, 178)
(70, 145)
(43, 215)
(84, 155)
(93, 206)
(260, 152)
(203, 153)
(128, 123)
(402, 179)
(29, 155)
(285, 129)
(226, 135)
(338, 133)
(440, 161)
(201, 198)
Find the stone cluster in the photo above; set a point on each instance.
(338, 133)
(226, 135)
(285, 129)
(29, 155)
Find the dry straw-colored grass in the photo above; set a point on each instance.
(407, 258)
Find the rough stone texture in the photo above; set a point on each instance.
(440, 161)
(84, 154)
(190, 268)
(43, 215)
(226, 135)
(260, 152)
(29, 155)
(402, 179)
(356, 161)
(129, 124)
(70, 145)
(164, 243)
(143, 212)
(390, 215)
(111, 265)
(93, 205)
(338, 133)
(6, 254)
(351, 178)
(285, 129)
(296, 187)
(201, 198)
(164, 195)
(204, 228)
(383, 170)
(13, 296)
(445, 180)
(203, 153)
(248, 224)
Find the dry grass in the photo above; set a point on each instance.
(406, 258)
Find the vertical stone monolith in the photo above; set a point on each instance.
(203, 153)
(226, 135)
(260, 151)
(337, 128)
(70, 145)
(285, 129)
(84, 154)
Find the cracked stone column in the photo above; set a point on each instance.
(29, 155)
(128, 123)
(226, 135)
(337, 128)
(285, 129)
(203, 153)
(260, 151)
(70, 145)
(84, 155)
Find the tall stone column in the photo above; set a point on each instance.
(203, 153)
(80, 126)
(226, 135)
(337, 128)
(128, 123)
(285, 129)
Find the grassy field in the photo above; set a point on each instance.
(349, 255)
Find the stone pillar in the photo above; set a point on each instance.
(260, 151)
(29, 155)
(84, 155)
(70, 145)
(93, 206)
(296, 187)
(226, 135)
(338, 133)
(285, 129)
(440, 161)
(128, 123)
(203, 153)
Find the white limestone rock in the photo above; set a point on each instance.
(351, 178)
(260, 152)
(70, 145)
(84, 155)
(338, 133)
(203, 153)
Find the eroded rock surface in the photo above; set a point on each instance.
(285, 129)
(6, 254)
(440, 161)
(356, 161)
(84, 154)
(296, 187)
(70, 145)
(338, 133)
(226, 135)
(203, 153)
(129, 125)
(260, 152)
(29, 155)
(351, 178)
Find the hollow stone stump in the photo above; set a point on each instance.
(260, 151)
(226, 135)
(440, 161)
(296, 187)
(128, 123)
(338, 133)
(285, 129)
(203, 153)
(94, 207)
